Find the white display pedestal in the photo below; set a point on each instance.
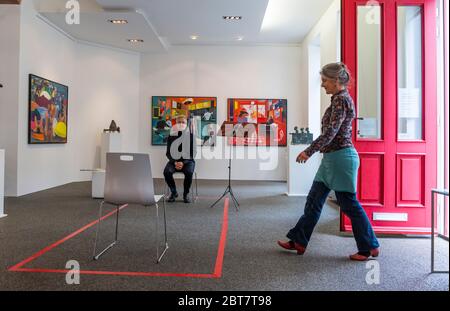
(301, 176)
(111, 142)
(2, 183)
(98, 184)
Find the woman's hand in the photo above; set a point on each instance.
(302, 157)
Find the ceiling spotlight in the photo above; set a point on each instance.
(194, 37)
(232, 17)
(135, 40)
(118, 21)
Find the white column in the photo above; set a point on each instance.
(2, 182)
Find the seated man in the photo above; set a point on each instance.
(180, 152)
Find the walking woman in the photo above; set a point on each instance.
(338, 170)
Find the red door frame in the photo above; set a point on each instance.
(389, 154)
(446, 112)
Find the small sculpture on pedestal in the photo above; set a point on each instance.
(302, 138)
(296, 137)
(112, 128)
(309, 138)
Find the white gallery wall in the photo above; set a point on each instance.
(9, 77)
(47, 53)
(103, 85)
(107, 88)
(223, 72)
(325, 35)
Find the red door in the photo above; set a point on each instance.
(390, 48)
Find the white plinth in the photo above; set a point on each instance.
(2, 183)
(301, 176)
(111, 142)
(98, 184)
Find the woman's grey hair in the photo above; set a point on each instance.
(338, 72)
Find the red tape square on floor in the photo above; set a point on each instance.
(217, 268)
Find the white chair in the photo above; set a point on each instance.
(129, 181)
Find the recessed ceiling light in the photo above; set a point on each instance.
(194, 37)
(118, 21)
(135, 40)
(232, 17)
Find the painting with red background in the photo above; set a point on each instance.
(269, 117)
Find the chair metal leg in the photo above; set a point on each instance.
(158, 255)
(166, 244)
(157, 233)
(194, 195)
(165, 224)
(167, 192)
(196, 188)
(97, 256)
(98, 227)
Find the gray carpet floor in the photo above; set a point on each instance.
(252, 260)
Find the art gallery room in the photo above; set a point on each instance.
(224, 145)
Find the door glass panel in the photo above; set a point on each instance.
(369, 72)
(409, 51)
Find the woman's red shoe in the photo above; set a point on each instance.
(375, 252)
(290, 245)
(359, 257)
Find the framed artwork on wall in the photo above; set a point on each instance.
(266, 117)
(47, 111)
(165, 109)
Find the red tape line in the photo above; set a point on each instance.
(217, 270)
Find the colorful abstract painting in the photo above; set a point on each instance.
(202, 111)
(267, 118)
(48, 111)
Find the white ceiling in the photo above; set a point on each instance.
(178, 20)
(161, 23)
(95, 28)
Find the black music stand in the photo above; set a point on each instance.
(223, 132)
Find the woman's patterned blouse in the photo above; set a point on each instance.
(336, 125)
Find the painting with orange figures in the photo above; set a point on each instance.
(266, 117)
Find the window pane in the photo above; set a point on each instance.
(369, 72)
(409, 70)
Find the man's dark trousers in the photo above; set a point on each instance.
(188, 171)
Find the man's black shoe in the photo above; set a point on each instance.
(172, 197)
(186, 199)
